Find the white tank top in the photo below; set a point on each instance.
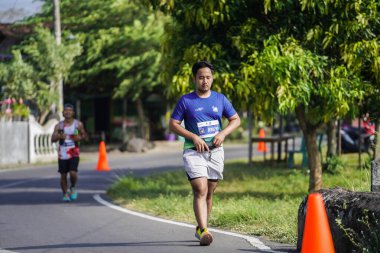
(68, 149)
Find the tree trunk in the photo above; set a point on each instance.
(124, 124)
(310, 134)
(280, 132)
(57, 22)
(331, 138)
(250, 127)
(315, 181)
(43, 117)
(360, 143)
(141, 115)
(376, 153)
(339, 141)
(58, 39)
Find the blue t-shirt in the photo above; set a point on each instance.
(203, 116)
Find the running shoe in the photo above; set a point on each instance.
(66, 198)
(73, 193)
(206, 237)
(197, 233)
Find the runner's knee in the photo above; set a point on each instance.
(200, 192)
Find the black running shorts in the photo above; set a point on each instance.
(65, 166)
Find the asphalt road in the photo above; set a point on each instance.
(33, 218)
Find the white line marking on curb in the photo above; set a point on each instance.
(255, 242)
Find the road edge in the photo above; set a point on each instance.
(255, 242)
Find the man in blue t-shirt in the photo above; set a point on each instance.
(203, 156)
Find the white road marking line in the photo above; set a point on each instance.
(23, 182)
(17, 183)
(255, 242)
(6, 251)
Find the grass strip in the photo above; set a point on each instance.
(260, 200)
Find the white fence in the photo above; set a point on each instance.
(26, 142)
(41, 148)
(14, 142)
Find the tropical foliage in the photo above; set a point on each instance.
(121, 47)
(34, 69)
(316, 58)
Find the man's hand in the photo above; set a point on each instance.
(61, 135)
(233, 123)
(219, 139)
(200, 144)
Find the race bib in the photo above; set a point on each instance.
(208, 128)
(69, 143)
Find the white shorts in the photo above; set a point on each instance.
(205, 164)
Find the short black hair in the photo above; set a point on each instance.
(201, 65)
(68, 105)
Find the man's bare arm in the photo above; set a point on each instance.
(56, 135)
(82, 135)
(233, 123)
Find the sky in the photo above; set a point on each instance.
(15, 10)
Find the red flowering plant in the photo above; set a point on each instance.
(11, 109)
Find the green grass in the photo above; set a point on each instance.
(258, 200)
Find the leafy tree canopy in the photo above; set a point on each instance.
(120, 40)
(317, 58)
(232, 33)
(35, 67)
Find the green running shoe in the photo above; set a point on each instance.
(73, 193)
(66, 198)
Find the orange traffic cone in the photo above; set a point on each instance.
(102, 162)
(317, 236)
(261, 145)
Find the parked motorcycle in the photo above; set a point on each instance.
(350, 139)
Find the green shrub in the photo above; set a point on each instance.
(334, 165)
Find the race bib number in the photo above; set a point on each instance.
(208, 128)
(69, 143)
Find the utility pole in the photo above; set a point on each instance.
(58, 39)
